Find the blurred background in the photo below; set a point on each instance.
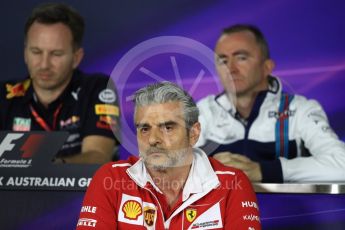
(306, 39)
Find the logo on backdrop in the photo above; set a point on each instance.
(165, 58)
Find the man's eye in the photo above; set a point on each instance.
(57, 54)
(241, 57)
(35, 51)
(168, 128)
(143, 130)
(222, 61)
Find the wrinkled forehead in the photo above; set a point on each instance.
(159, 113)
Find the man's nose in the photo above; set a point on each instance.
(45, 61)
(232, 66)
(155, 137)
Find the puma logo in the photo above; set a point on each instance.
(75, 93)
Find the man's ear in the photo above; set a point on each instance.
(194, 133)
(25, 54)
(78, 56)
(269, 66)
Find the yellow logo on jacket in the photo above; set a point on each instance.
(191, 214)
(132, 209)
(104, 109)
(17, 90)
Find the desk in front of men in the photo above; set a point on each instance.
(52, 200)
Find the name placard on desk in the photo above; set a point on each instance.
(56, 177)
(26, 163)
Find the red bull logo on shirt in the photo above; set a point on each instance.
(18, 89)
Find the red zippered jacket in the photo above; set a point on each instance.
(122, 195)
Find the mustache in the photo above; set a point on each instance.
(44, 71)
(155, 150)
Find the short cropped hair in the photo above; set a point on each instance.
(260, 38)
(165, 92)
(51, 13)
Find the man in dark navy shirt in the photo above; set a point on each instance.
(57, 96)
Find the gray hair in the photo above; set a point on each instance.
(164, 92)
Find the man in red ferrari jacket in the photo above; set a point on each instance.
(172, 185)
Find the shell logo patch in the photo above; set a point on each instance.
(17, 90)
(132, 209)
(190, 214)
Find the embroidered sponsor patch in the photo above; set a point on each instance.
(17, 90)
(108, 120)
(76, 93)
(72, 121)
(90, 209)
(190, 214)
(275, 114)
(206, 225)
(150, 215)
(249, 204)
(87, 222)
(131, 210)
(102, 125)
(102, 109)
(21, 124)
(251, 217)
(211, 219)
(107, 96)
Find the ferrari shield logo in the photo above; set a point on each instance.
(191, 214)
